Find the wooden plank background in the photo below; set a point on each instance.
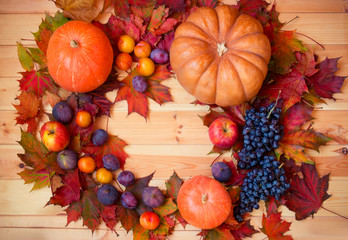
(173, 138)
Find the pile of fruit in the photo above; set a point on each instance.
(56, 138)
(261, 134)
(145, 58)
(250, 122)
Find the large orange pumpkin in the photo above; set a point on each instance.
(79, 56)
(220, 56)
(203, 202)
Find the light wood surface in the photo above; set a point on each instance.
(173, 138)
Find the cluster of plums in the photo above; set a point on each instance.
(107, 193)
(147, 58)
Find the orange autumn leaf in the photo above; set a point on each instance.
(275, 227)
(28, 110)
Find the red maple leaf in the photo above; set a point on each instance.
(174, 5)
(114, 145)
(128, 217)
(173, 186)
(296, 139)
(274, 227)
(37, 82)
(156, 91)
(237, 178)
(283, 46)
(243, 230)
(137, 101)
(306, 195)
(252, 7)
(291, 86)
(296, 116)
(272, 204)
(109, 216)
(324, 82)
(216, 233)
(69, 192)
(87, 206)
(283, 43)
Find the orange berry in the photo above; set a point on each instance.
(145, 67)
(83, 118)
(149, 220)
(125, 44)
(104, 176)
(124, 61)
(86, 164)
(142, 49)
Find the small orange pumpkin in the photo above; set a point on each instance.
(220, 56)
(203, 202)
(79, 56)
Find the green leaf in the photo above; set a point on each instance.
(163, 229)
(140, 233)
(37, 154)
(167, 208)
(24, 57)
(157, 18)
(295, 152)
(38, 56)
(173, 186)
(306, 138)
(46, 28)
(283, 48)
(41, 178)
(128, 217)
(90, 211)
(217, 233)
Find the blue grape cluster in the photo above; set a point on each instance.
(267, 180)
(262, 133)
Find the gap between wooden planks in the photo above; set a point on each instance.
(40, 6)
(184, 159)
(170, 127)
(315, 25)
(46, 227)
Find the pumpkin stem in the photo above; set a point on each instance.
(205, 198)
(221, 48)
(74, 44)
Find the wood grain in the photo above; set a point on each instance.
(14, 193)
(173, 138)
(41, 6)
(170, 127)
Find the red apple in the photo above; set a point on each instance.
(223, 132)
(55, 136)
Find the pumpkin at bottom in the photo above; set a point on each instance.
(203, 202)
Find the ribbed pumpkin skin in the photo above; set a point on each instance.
(235, 76)
(82, 68)
(204, 215)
